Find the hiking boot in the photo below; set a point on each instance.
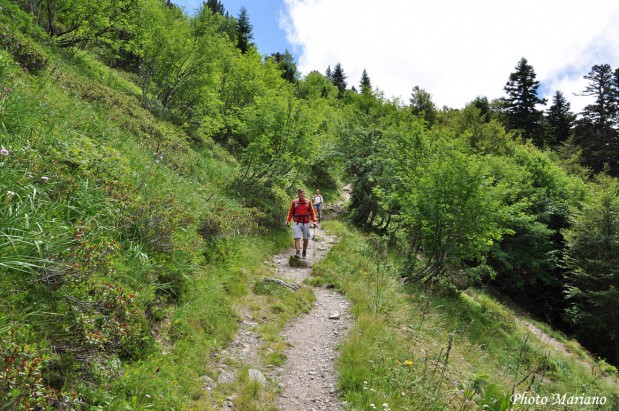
(297, 255)
(304, 254)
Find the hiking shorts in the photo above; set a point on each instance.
(301, 230)
(317, 206)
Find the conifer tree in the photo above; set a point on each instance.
(559, 120)
(215, 6)
(285, 63)
(365, 82)
(592, 281)
(329, 73)
(338, 78)
(244, 31)
(603, 86)
(596, 132)
(519, 107)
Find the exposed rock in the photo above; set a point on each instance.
(257, 376)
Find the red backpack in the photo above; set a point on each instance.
(299, 216)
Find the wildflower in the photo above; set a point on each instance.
(373, 406)
(4, 151)
(408, 363)
(9, 194)
(148, 396)
(45, 179)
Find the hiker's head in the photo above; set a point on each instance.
(301, 193)
(317, 191)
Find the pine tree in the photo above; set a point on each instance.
(483, 105)
(244, 31)
(285, 63)
(592, 281)
(603, 86)
(338, 78)
(559, 120)
(215, 6)
(520, 104)
(365, 83)
(596, 132)
(329, 73)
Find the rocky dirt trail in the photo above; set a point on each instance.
(308, 379)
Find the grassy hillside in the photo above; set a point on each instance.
(122, 253)
(416, 348)
(126, 252)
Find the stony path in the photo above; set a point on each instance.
(308, 378)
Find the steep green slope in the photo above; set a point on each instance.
(415, 348)
(121, 251)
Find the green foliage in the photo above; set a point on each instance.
(25, 51)
(559, 120)
(244, 33)
(422, 105)
(338, 78)
(365, 84)
(127, 235)
(388, 358)
(592, 282)
(286, 64)
(596, 132)
(520, 104)
(22, 384)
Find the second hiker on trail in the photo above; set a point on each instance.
(317, 199)
(302, 214)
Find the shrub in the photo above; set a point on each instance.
(22, 385)
(25, 51)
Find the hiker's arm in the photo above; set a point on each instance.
(290, 212)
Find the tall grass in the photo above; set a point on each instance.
(428, 349)
(122, 255)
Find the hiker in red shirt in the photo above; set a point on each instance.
(302, 214)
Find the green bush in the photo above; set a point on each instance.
(25, 51)
(22, 382)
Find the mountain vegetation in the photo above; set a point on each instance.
(147, 160)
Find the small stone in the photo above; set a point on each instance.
(334, 316)
(257, 376)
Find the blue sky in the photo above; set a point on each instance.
(456, 50)
(264, 15)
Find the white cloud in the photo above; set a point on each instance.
(454, 49)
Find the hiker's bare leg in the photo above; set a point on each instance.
(297, 244)
(305, 244)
